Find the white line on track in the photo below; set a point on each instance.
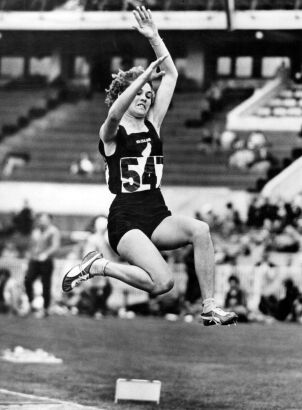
(47, 399)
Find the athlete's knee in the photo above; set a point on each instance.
(162, 286)
(201, 232)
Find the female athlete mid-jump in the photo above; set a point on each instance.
(139, 222)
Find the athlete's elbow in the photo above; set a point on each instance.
(171, 78)
(173, 73)
(113, 117)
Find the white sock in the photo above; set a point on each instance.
(98, 267)
(208, 305)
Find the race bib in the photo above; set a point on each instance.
(141, 173)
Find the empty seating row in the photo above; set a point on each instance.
(18, 106)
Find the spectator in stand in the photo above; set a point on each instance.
(266, 282)
(260, 209)
(98, 240)
(256, 140)
(227, 140)
(206, 141)
(84, 166)
(9, 250)
(215, 96)
(292, 213)
(192, 293)
(22, 225)
(44, 243)
(264, 161)
(94, 298)
(284, 238)
(282, 70)
(235, 299)
(207, 215)
(242, 158)
(253, 213)
(205, 110)
(231, 219)
(283, 308)
(270, 209)
(24, 220)
(9, 293)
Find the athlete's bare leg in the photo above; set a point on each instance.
(176, 231)
(147, 270)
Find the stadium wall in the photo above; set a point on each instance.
(170, 20)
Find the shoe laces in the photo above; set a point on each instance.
(82, 276)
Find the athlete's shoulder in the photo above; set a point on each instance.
(112, 146)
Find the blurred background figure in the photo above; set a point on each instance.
(256, 140)
(192, 294)
(22, 225)
(44, 243)
(24, 220)
(84, 166)
(10, 293)
(93, 299)
(235, 299)
(283, 308)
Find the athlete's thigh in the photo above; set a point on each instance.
(174, 231)
(137, 249)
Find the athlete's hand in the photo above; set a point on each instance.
(146, 25)
(151, 72)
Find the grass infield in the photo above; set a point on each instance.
(245, 367)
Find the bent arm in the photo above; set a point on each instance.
(119, 107)
(167, 85)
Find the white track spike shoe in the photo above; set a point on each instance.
(218, 317)
(80, 273)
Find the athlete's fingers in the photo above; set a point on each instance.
(160, 60)
(144, 12)
(140, 12)
(137, 18)
(149, 14)
(158, 75)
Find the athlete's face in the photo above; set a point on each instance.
(142, 102)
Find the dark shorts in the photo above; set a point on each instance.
(140, 210)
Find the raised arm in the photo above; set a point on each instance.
(148, 29)
(121, 104)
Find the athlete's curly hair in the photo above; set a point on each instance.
(121, 81)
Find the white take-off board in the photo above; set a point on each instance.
(138, 390)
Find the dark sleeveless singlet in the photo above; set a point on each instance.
(134, 174)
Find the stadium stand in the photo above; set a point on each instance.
(72, 129)
(156, 5)
(31, 5)
(18, 106)
(287, 103)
